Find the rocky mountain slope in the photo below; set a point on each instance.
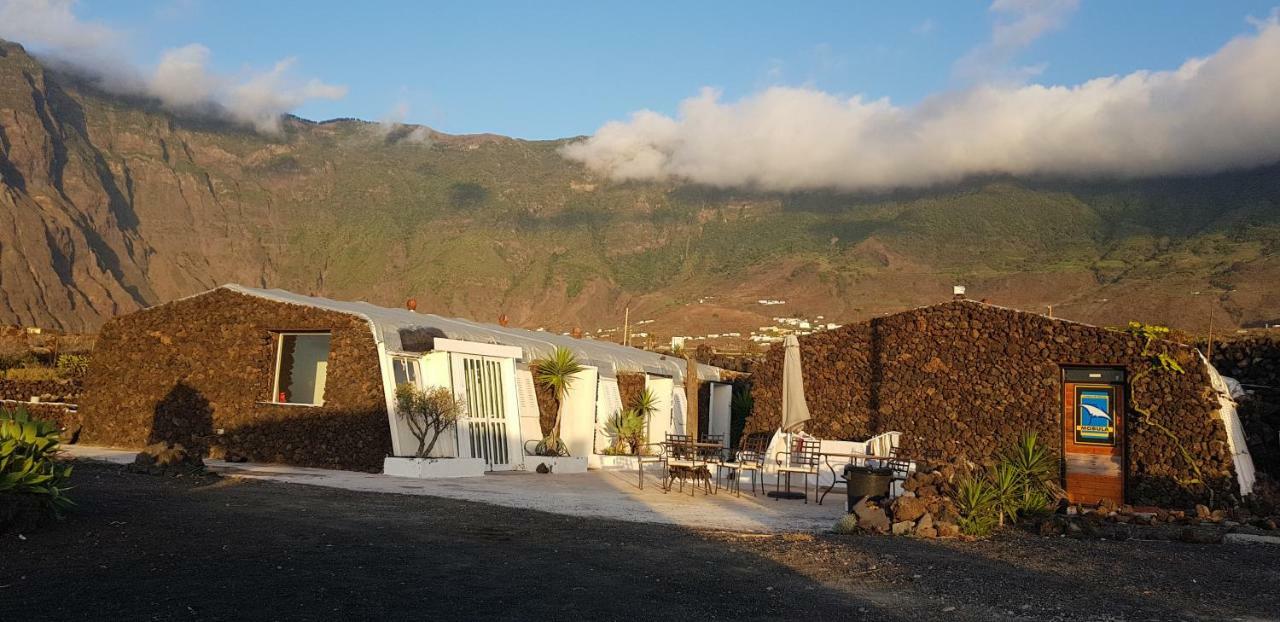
(109, 204)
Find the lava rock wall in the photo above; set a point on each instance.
(969, 379)
(199, 371)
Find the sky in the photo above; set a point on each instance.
(775, 95)
(558, 69)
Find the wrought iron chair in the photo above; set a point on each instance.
(684, 463)
(803, 460)
(750, 458)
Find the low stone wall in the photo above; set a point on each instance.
(65, 416)
(199, 372)
(47, 390)
(968, 379)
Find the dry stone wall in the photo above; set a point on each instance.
(968, 379)
(199, 372)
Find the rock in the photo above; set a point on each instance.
(903, 528)
(1052, 527)
(908, 509)
(927, 492)
(871, 517)
(947, 530)
(925, 522)
(543, 468)
(928, 534)
(1202, 512)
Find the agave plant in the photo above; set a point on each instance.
(976, 501)
(1038, 469)
(626, 428)
(1007, 489)
(27, 466)
(556, 373)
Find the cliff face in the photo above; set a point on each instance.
(110, 203)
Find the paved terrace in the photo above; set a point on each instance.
(599, 494)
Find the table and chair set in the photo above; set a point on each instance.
(704, 463)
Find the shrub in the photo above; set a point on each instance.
(29, 475)
(975, 500)
(428, 413)
(72, 365)
(1021, 484)
(626, 428)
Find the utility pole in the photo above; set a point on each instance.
(1050, 311)
(1210, 356)
(626, 327)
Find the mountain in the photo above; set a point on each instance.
(109, 204)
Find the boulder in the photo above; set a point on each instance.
(903, 528)
(908, 509)
(947, 530)
(871, 517)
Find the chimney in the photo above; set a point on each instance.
(411, 304)
(503, 320)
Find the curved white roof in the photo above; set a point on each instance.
(387, 323)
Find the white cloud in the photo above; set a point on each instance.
(1019, 23)
(1210, 114)
(392, 125)
(181, 80)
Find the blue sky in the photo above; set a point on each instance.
(554, 69)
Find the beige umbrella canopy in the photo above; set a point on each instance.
(795, 411)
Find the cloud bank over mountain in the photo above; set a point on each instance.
(1214, 113)
(182, 80)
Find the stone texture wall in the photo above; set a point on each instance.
(968, 379)
(47, 390)
(199, 371)
(1255, 362)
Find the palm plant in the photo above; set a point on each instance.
(626, 428)
(644, 405)
(556, 373)
(1006, 487)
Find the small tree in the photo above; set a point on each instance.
(556, 373)
(428, 413)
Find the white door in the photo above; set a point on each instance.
(489, 428)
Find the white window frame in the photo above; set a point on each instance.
(413, 371)
(279, 345)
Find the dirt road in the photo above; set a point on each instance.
(150, 547)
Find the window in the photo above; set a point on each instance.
(405, 370)
(302, 362)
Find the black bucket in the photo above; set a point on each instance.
(866, 482)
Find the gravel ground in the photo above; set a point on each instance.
(163, 548)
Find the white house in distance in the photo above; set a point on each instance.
(487, 367)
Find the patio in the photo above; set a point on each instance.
(609, 494)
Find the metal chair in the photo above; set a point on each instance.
(749, 457)
(802, 459)
(684, 462)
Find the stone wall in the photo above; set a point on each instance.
(1255, 362)
(199, 371)
(968, 379)
(47, 390)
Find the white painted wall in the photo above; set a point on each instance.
(679, 406)
(527, 397)
(578, 415)
(718, 410)
(608, 402)
(660, 421)
(434, 371)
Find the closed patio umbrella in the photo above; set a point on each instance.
(795, 411)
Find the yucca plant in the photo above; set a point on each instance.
(644, 405)
(626, 428)
(1038, 469)
(976, 502)
(1007, 486)
(27, 466)
(556, 373)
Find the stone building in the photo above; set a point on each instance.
(967, 379)
(273, 376)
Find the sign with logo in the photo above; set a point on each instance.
(1095, 417)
